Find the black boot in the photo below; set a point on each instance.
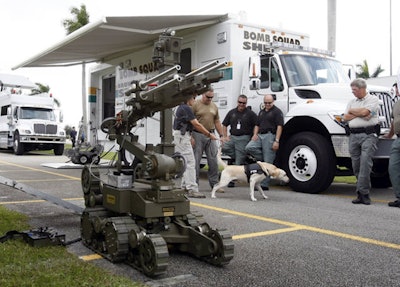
(395, 203)
(365, 198)
(358, 199)
(362, 199)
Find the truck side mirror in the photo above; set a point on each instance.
(9, 113)
(254, 73)
(350, 71)
(254, 67)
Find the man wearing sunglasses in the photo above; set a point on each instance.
(206, 112)
(241, 121)
(266, 135)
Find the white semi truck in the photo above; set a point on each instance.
(28, 122)
(310, 86)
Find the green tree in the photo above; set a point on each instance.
(67, 130)
(41, 89)
(44, 89)
(363, 71)
(80, 19)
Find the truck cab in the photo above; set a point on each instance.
(312, 89)
(28, 122)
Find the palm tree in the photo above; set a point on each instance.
(41, 89)
(363, 71)
(81, 18)
(44, 89)
(377, 71)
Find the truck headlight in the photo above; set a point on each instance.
(337, 117)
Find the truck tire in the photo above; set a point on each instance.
(83, 159)
(58, 149)
(309, 161)
(18, 146)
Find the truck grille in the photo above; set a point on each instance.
(45, 129)
(386, 109)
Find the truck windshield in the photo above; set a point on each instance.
(37, 113)
(305, 70)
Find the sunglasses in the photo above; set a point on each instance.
(209, 97)
(243, 103)
(268, 103)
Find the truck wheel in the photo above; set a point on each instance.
(58, 149)
(18, 146)
(83, 159)
(309, 161)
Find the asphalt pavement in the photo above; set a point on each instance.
(289, 239)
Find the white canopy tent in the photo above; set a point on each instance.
(113, 37)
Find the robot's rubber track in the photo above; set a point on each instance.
(151, 257)
(225, 248)
(109, 237)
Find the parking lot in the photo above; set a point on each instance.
(289, 239)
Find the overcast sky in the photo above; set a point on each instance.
(30, 26)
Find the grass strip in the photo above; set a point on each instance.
(24, 265)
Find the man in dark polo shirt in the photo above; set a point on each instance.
(266, 134)
(241, 121)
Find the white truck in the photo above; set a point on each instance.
(28, 122)
(309, 85)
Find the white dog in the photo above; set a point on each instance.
(253, 173)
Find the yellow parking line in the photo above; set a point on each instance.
(39, 180)
(263, 233)
(302, 227)
(36, 169)
(22, 201)
(37, 201)
(15, 170)
(248, 215)
(90, 257)
(73, 198)
(354, 237)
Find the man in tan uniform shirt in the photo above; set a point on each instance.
(206, 112)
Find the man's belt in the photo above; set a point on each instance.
(273, 131)
(211, 131)
(248, 134)
(366, 130)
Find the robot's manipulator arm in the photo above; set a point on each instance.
(145, 102)
(171, 89)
